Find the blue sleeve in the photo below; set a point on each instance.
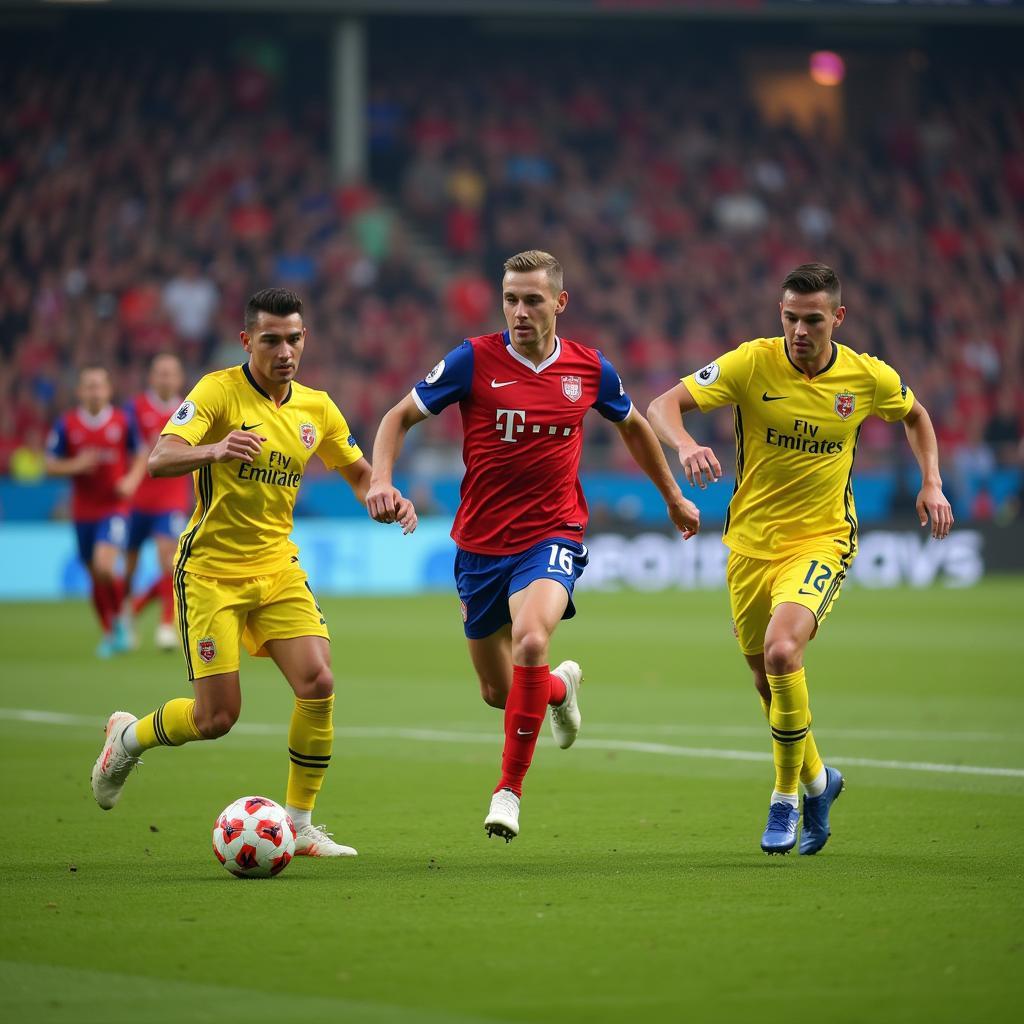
(57, 442)
(133, 439)
(612, 401)
(448, 382)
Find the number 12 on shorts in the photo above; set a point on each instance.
(821, 579)
(560, 560)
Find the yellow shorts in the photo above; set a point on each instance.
(811, 577)
(215, 616)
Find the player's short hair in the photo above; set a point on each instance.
(275, 301)
(90, 367)
(809, 278)
(157, 356)
(537, 259)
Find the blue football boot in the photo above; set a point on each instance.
(780, 832)
(815, 832)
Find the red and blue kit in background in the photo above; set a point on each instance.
(161, 505)
(97, 510)
(522, 514)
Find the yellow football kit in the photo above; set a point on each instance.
(792, 523)
(237, 576)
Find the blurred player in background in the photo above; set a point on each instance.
(161, 505)
(247, 433)
(523, 394)
(97, 446)
(799, 402)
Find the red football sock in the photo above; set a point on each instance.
(104, 598)
(151, 594)
(99, 602)
(558, 690)
(117, 594)
(524, 713)
(165, 586)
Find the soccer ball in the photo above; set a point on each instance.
(254, 838)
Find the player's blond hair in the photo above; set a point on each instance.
(537, 259)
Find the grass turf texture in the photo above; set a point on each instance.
(636, 887)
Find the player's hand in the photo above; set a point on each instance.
(932, 505)
(406, 515)
(382, 502)
(242, 445)
(700, 465)
(125, 487)
(685, 517)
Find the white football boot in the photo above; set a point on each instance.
(114, 764)
(566, 717)
(503, 817)
(166, 636)
(316, 841)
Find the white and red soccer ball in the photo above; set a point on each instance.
(254, 838)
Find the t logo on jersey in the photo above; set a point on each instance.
(307, 434)
(845, 404)
(572, 388)
(507, 422)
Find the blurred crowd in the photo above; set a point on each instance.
(142, 201)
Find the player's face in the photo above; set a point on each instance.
(166, 378)
(275, 346)
(531, 305)
(94, 390)
(808, 322)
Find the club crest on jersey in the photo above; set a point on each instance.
(207, 648)
(307, 434)
(572, 387)
(845, 404)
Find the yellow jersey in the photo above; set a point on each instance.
(796, 438)
(245, 511)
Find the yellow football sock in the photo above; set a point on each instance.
(310, 740)
(789, 716)
(766, 705)
(170, 725)
(813, 764)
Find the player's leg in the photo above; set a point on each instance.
(166, 636)
(211, 617)
(492, 660)
(289, 627)
(108, 585)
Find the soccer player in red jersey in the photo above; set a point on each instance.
(97, 446)
(161, 505)
(519, 529)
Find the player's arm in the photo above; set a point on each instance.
(358, 475)
(173, 456)
(382, 495)
(931, 502)
(643, 445)
(85, 461)
(666, 413)
(129, 483)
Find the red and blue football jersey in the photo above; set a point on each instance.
(157, 495)
(522, 437)
(114, 437)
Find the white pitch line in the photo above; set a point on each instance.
(626, 746)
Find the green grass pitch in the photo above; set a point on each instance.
(636, 891)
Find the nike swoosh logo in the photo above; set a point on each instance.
(502, 383)
(524, 732)
(250, 426)
(809, 593)
(772, 398)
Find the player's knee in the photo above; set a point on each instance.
(783, 655)
(530, 646)
(494, 696)
(215, 723)
(103, 574)
(316, 684)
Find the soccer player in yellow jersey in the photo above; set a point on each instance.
(247, 434)
(798, 402)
